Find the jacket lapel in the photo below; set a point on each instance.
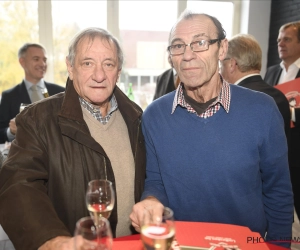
(23, 93)
(71, 120)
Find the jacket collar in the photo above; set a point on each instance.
(250, 79)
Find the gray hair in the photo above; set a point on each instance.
(92, 33)
(246, 51)
(22, 51)
(188, 14)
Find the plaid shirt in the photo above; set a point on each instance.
(222, 100)
(95, 111)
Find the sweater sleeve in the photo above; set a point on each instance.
(153, 183)
(276, 184)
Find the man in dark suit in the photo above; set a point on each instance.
(166, 82)
(32, 58)
(242, 67)
(288, 43)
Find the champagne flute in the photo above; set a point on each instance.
(100, 199)
(91, 236)
(158, 233)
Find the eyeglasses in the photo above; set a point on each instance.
(197, 46)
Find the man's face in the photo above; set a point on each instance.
(34, 63)
(288, 45)
(197, 68)
(95, 70)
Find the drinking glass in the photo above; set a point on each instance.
(100, 199)
(158, 232)
(91, 236)
(23, 106)
(45, 92)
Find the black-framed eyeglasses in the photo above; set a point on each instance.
(197, 46)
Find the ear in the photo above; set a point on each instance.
(119, 74)
(170, 60)
(223, 49)
(21, 61)
(233, 65)
(70, 68)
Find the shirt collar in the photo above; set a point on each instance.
(40, 84)
(94, 110)
(223, 98)
(296, 63)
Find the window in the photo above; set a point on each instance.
(68, 19)
(144, 30)
(19, 24)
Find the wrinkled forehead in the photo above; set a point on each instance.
(200, 26)
(102, 43)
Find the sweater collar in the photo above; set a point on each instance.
(223, 99)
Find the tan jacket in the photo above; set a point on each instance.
(51, 161)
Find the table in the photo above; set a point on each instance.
(202, 234)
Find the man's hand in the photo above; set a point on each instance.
(153, 207)
(58, 243)
(13, 126)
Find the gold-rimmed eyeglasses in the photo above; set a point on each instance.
(197, 46)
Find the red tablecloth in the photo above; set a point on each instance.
(200, 234)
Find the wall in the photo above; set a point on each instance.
(254, 20)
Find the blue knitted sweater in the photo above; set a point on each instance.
(228, 168)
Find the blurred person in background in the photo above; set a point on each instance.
(288, 43)
(33, 59)
(91, 131)
(166, 82)
(242, 67)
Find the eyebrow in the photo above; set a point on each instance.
(106, 59)
(195, 36)
(38, 57)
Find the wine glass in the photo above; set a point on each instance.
(100, 199)
(91, 236)
(23, 106)
(158, 232)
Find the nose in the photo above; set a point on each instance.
(99, 74)
(280, 43)
(188, 53)
(42, 63)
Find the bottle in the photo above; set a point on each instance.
(130, 92)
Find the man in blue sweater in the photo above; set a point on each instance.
(215, 152)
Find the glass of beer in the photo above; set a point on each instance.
(45, 93)
(157, 232)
